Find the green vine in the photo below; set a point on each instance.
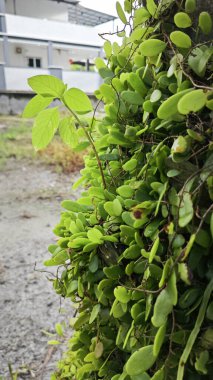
(134, 251)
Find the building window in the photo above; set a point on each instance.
(34, 62)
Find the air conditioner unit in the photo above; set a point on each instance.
(18, 50)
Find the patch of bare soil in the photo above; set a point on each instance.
(30, 199)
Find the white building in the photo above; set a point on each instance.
(55, 37)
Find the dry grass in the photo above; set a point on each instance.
(62, 156)
(15, 141)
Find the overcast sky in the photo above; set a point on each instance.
(107, 6)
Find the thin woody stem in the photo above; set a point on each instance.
(91, 143)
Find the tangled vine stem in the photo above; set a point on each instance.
(195, 331)
(89, 137)
(197, 85)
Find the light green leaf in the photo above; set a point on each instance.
(67, 130)
(156, 95)
(37, 104)
(132, 97)
(159, 375)
(94, 235)
(192, 102)
(169, 107)
(140, 16)
(181, 39)
(44, 128)
(122, 294)
(154, 250)
(199, 58)
(125, 191)
(182, 20)
(164, 303)
(205, 22)
(202, 362)
(108, 48)
(74, 206)
(59, 258)
(59, 329)
(95, 311)
(47, 85)
(130, 165)
(179, 145)
(53, 342)
(107, 91)
(159, 339)
(152, 47)
(140, 361)
(117, 207)
(152, 7)
(121, 13)
(76, 100)
(173, 173)
(190, 6)
(186, 210)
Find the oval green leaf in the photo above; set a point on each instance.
(152, 47)
(182, 20)
(121, 13)
(44, 127)
(76, 100)
(205, 22)
(47, 85)
(140, 361)
(192, 102)
(169, 107)
(181, 39)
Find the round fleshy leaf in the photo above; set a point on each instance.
(140, 361)
(152, 47)
(192, 102)
(182, 20)
(190, 6)
(205, 22)
(181, 39)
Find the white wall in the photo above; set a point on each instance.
(16, 79)
(86, 81)
(51, 30)
(39, 9)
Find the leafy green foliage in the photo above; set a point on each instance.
(136, 246)
(45, 126)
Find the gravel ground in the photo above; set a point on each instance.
(30, 197)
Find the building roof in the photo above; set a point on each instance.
(85, 16)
